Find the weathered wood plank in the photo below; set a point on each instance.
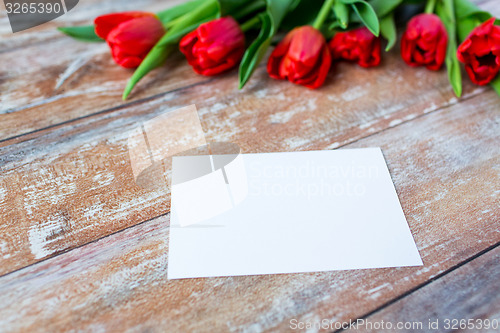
(470, 292)
(81, 73)
(83, 80)
(66, 186)
(40, 89)
(452, 209)
(83, 14)
(445, 168)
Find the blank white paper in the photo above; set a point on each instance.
(287, 213)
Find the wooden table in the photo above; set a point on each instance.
(83, 248)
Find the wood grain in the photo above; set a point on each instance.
(72, 184)
(470, 292)
(83, 80)
(439, 162)
(81, 246)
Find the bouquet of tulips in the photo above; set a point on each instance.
(218, 35)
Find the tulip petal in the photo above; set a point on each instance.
(306, 45)
(323, 70)
(274, 63)
(424, 42)
(214, 47)
(186, 45)
(138, 35)
(302, 57)
(358, 45)
(480, 53)
(105, 23)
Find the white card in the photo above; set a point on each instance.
(285, 213)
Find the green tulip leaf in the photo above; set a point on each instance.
(301, 13)
(470, 16)
(385, 7)
(465, 8)
(466, 26)
(174, 38)
(445, 10)
(335, 25)
(87, 33)
(256, 51)
(366, 14)
(159, 53)
(249, 9)
(388, 30)
(277, 9)
(227, 7)
(177, 11)
(84, 33)
(270, 22)
(341, 11)
(495, 84)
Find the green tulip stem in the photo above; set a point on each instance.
(169, 24)
(201, 11)
(171, 16)
(159, 53)
(252, 23)
(430, 6)
(323, 13)
(252, 7)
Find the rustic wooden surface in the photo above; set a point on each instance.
(82, 247)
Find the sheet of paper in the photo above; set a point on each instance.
(286, 213)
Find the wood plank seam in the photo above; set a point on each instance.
(28, 127)
(125, 104)
(153, 97)
(85, 244)
(392, 301)
(110, 110)
(315, 292)
(444, 107)
(347, 142)
(439, 175)
(422, 285)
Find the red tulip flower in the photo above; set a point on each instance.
(302, 57)
(214, 47)
(130, 35)
(424, 42)
(480, 52)
(358, 45)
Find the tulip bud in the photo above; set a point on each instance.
(358, 45)
(214, 47)
(480, 52)
(130, 35)
(302, 57)
(424, 42)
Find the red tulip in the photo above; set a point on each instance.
(302, 57)
(130, 35)
(358, 45)
(480, 52)
(424, 42)
(214, 47)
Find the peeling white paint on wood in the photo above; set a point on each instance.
(71, 186)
